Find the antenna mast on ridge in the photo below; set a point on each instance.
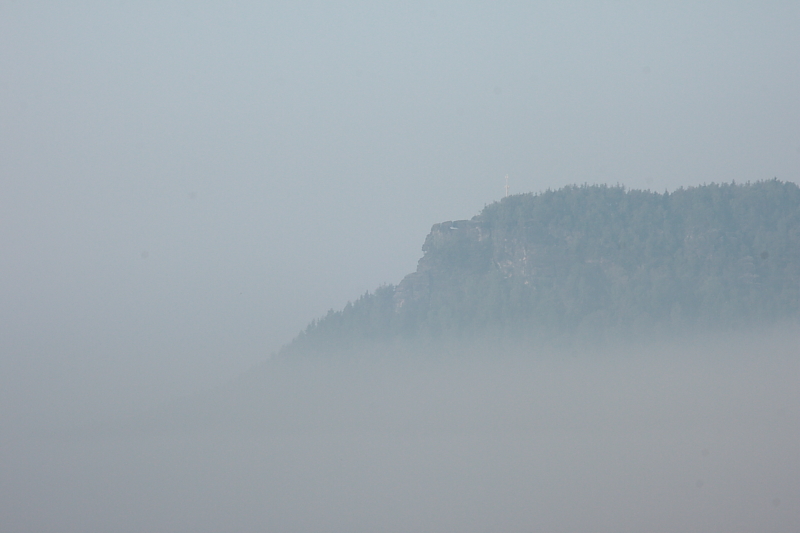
(506, 185)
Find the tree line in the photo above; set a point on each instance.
(594, 257)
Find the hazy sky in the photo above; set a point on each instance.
(184, 186)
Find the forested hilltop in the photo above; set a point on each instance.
(589, 257)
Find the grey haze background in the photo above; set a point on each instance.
(183, 186)
(681, 436)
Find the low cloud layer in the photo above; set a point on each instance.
(697, 435)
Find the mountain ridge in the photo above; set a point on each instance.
(594, 257)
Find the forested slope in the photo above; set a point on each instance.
(594, 258)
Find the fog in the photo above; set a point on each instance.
(689, 435)
(184, 186)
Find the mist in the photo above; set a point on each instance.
(680, 435)
(184, 187)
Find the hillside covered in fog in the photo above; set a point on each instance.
(593, 258)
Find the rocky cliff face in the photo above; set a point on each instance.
(452, 249)
(473, 247)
